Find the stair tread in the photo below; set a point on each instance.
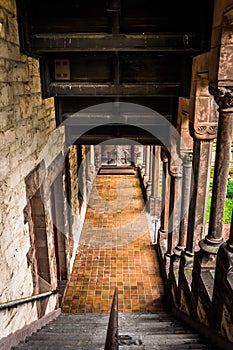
(150, 331)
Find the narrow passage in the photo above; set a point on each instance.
(115, 250)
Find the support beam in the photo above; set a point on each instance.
(108, 89)
(72, 42)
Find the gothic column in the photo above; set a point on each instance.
(162, 238)
(224, 98)
(186, 152)
(133, 155)
(97, 156)
(149, 182)
(147, 162)
(163, 231)
(202, 154)
(143, 159)
(175, 169)
(203, 129)
(186, 191)
(155, 187)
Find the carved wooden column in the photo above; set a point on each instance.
(163, 231)
(175, 169)
(224, 98)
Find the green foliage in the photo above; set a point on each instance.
(210, 185)
(208, 209)
(227, 211)
(231, 172)
(230, 189)
(212, 172)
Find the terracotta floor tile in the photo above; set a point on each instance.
(115, 250)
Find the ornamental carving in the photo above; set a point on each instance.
(201, 129)
(204, 125)
(164, 154)
(207, 131)
(222, 95)
(176, 164)
(187, 158)
(176, 167)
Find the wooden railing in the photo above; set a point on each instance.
(111, 342)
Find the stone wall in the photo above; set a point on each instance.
(27, 124)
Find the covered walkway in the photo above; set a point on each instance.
(115, 250)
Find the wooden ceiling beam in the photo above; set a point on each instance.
(45, 43)
(63, 89)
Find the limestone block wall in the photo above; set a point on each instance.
(26, 125)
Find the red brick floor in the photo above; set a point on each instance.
(115, 251)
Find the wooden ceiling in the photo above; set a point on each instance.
(137, 51)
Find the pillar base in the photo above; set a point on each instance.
(210, 247)
(223, 288)
(167, 260)
(188, 259)
(178, 251)
(162, 235)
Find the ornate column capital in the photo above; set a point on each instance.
(176, 167)
(164, 154)
(222, 95)
(175, 162)
(187, 158)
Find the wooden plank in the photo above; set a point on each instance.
(71, 42)
(94, 89)
(95, 135)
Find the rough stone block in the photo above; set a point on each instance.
(35, 85)
(12, 30)
(18, 72)
(3, 74)
(9, 51)
(34, 67)
(9, 5)
(13, 179)
(2, 23)
(10, 136)
(25, 106)
(18, 90)
(6, 95)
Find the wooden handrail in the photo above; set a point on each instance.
(111, 342)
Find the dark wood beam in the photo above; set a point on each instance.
(98, 139)
(117, 133)
(92, 128)
(70, 42)
(110, 90)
